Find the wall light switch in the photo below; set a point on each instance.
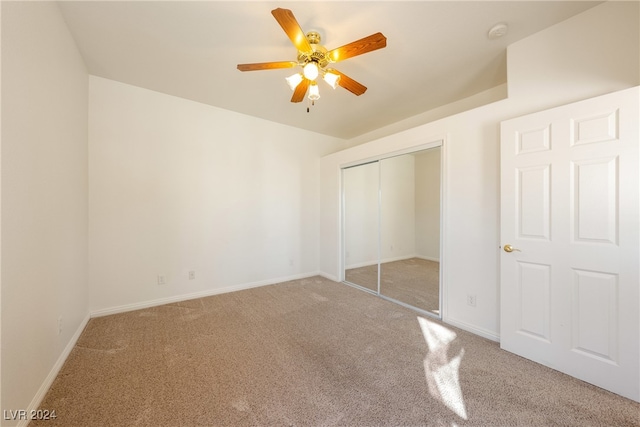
(192, 275)
(162, 280)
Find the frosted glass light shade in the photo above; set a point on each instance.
(314, 93)
(331, 79)
(311, 71)
(294, 80)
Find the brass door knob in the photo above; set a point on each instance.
(509, 248)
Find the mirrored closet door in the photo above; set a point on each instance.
(392, 228)
(361, 197)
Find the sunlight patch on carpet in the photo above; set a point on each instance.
(442, 373)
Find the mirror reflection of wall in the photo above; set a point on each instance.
(361, 230)
(392, 228)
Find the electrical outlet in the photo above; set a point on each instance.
(162, 280)
(192, 275)
(471, 300)
(59, 325)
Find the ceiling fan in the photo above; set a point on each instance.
(315, 59)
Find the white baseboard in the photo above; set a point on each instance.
(428, 258)
(207, 293)
(46, 385)
(361, 264)
(398, 258)
(393, 259)
(329, 276)
(485, 333)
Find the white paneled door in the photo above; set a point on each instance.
(570, 240)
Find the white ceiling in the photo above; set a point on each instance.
(437, 52)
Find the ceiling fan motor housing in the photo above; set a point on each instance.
(318, 53)
(313, 37)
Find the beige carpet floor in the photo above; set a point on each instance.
(309, 352)
(414, 281)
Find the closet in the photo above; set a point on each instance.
(391, 228)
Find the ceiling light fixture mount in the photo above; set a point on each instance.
(314, 58)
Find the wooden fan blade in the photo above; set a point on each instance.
(266, 65)
(349, 84)
(373, 42)
(290, 26)
(301, 90)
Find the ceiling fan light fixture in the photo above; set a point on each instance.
(314, 59)
(331, 78)
(314, 93)
(294, 80)
(310, 71)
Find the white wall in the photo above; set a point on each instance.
(178, 186)
(592, 54)
(471, 151)
(44, 198)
